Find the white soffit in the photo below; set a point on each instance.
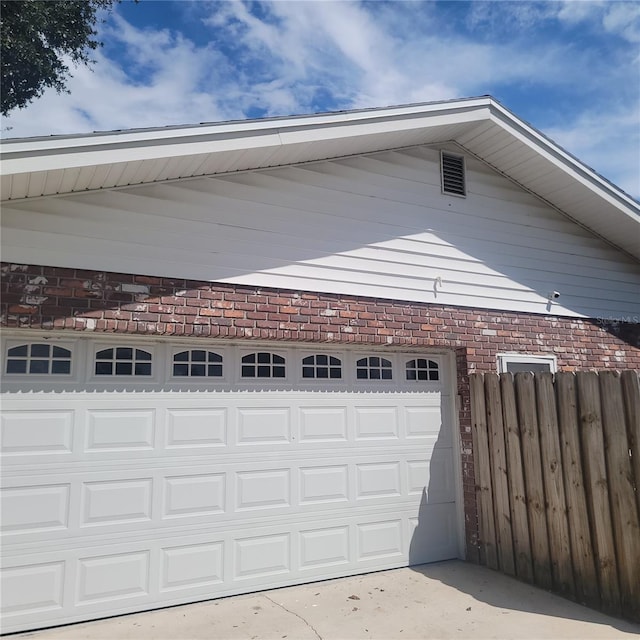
(35, 167)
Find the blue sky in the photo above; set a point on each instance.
(571, 69)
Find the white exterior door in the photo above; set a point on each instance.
(143, 474)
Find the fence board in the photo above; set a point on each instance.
(631, 387)
(530, 440)
(556, 506)
(488, 548)
(586, 581)
(501, 507)
(519, 517)
(624, 513)
(595, 476)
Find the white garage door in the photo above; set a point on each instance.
(139, 474)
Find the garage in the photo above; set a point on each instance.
(141, 473)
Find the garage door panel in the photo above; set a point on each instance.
(181, 494)
(322, 484)
(324, 547)
(194, 495)
(322, 424)
(191, 565)
(262, 555)
(423, 422)
(263, 489)
(264, 426)
(434, 476)
(378, 479)
(42, 508)
(108, 430)
(379, 539)
(376, 423)
(432, 533)
(98, 538)
(115, 578)
(196, 428)
(36, 433)
(115, 502)
(32, 588)
(154, 427)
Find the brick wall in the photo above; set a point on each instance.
(92, 301)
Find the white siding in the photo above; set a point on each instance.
(375, 225)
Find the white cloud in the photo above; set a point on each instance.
(607, 141)
(624, 19)
(158, 83)
(618, 17)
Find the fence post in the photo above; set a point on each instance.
(631, 387)
(483, 465)
(530, 438)
(556, 507)
(519, 517)
(626, 528)
(595, 475)
(500, 474)
(582, 552)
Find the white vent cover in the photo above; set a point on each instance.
(452, 169)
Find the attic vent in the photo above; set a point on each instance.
(453, 181)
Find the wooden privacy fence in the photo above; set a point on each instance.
(557, 464)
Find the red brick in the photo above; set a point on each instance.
(211, 295)
(72, 284)
(147, 280)
(58, 291)
(187, 311)
(23, 309)
(222, 304)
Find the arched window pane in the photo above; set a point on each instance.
(422, 369)
(193, 364)
(322, 367)
(263, 364)
(38, 359)
(374, 368)
(123, 361)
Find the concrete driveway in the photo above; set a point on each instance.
(443, 600)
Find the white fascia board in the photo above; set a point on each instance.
(395, 124)
(58, 143)
(27, 156)
(130, 152)
(561, 159)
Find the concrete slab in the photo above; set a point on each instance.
(443, 600)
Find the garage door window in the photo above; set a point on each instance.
(263, 365)
(373, 368)
(197, 363)
(322, 366)
(422, 369)
(38, 359)
(123, 361)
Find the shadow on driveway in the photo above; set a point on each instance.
(508, 594)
